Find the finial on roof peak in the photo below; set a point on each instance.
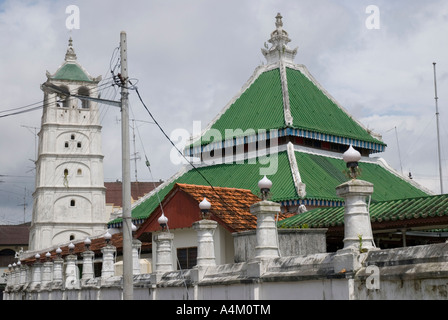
(279, 40)
(278, 22)
(70, 55)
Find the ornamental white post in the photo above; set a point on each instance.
(71, 270)
(205, 229)
(136, 246)
(36, 273)
(58, 275)
(9, 279)
(16, 275)
(206, 248)
(164, 241)
(266, 234)
(23, 274)
(108, 268)
(358, 234)
(87, 262)
(47, 271)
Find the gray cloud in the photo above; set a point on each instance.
(191, 57)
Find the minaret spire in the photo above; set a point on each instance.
(279, 40)
(70, 55)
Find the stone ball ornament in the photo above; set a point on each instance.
(351, 157)
(265, 186)
(163, 221)
(205, 206)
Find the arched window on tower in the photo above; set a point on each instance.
(65, 100)
(83, 91)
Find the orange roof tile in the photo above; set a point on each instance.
(229, 205)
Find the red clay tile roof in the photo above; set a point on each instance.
(14, 234)
(138, 190)
(230, 206)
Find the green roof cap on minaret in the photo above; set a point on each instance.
(71, 70)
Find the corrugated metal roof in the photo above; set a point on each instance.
(259, 107)
(381, 212)
(243, 176)
(313, 110)
(321, 174)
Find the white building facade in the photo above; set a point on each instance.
(69, 198)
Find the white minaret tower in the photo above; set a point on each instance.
(69, 200)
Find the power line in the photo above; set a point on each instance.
(33, 107)
(180, 152)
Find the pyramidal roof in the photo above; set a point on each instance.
(283, 101)
(284, 96)
(71, 70)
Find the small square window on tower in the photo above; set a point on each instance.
(79, 144)
(72, 203)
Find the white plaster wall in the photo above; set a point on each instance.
(186, 238)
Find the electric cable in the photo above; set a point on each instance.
(180, 152)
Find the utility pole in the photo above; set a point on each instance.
(128, 286)
(438, 135)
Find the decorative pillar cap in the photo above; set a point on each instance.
(354, 187)
(163, 221)
(205, 206)
(107, 237)
(265, 186)
(351, 157)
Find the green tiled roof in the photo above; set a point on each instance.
(261, 106)
(244, 176)
(392, 210)
(72, 72)
(312, 110)
(323, 174)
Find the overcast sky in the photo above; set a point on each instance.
(191, 57)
